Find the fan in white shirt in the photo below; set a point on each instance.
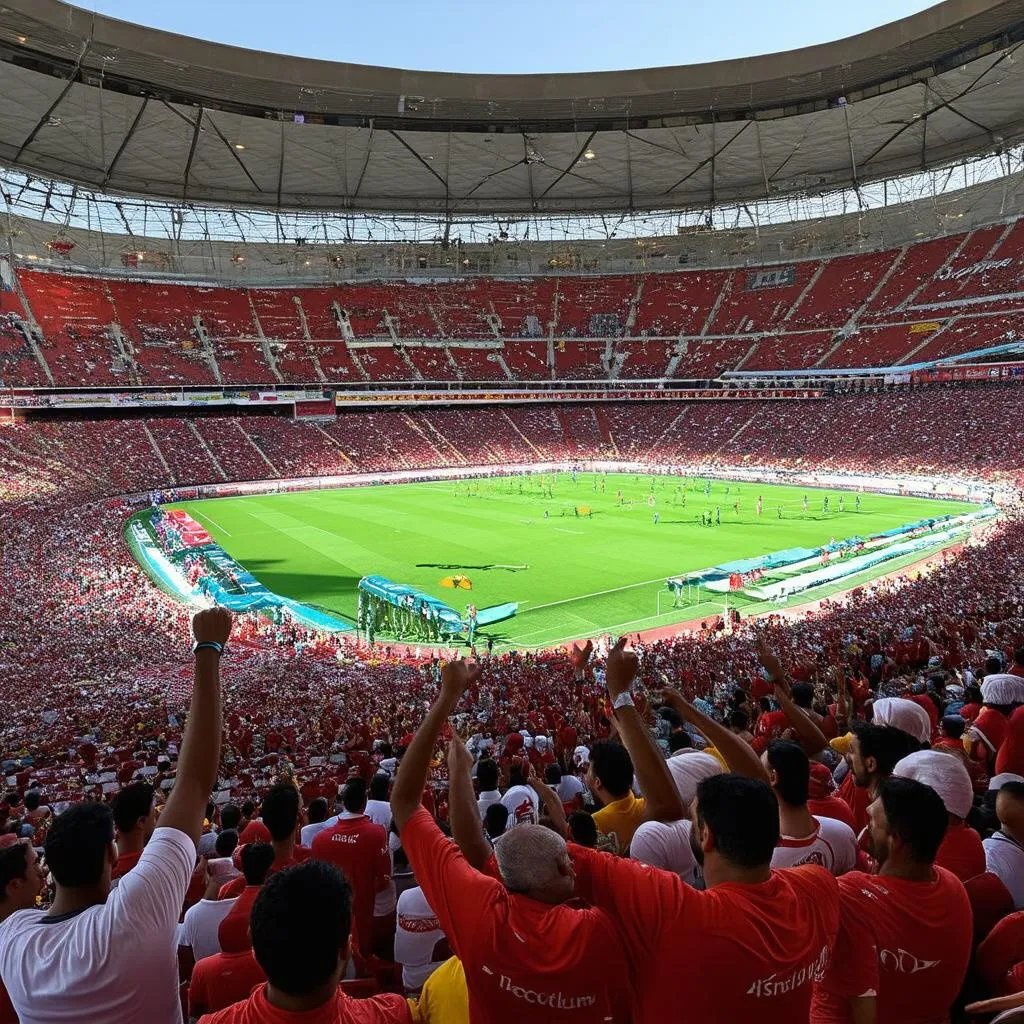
(109, 955)
(520, 800)
(487, 780)
(318, 821)
(804, 839)
(1004, 851)
(420, 944)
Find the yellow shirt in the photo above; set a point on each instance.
(444, 998)
(618, 821)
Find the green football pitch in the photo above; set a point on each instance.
(572, 575)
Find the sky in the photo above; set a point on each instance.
(524, 36)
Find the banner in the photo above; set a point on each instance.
(779, 277)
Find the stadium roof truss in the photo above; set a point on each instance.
(124, 109)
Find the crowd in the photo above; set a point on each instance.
(690, 824)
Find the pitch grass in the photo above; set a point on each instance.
(572, 576)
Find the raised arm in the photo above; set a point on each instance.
(200, 746)
(552, 804)
(660, 793)
(462, 809)
(814, 739)
(412, 773)
(739, 755)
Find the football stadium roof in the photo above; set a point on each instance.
(126, 109)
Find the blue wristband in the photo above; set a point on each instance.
(208, 645)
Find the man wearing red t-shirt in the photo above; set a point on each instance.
(281, 818)
(301, 922)
(257, 859)
(526, 954)
(226, 977)
(905, 934)
(360, 848)
(135, 819)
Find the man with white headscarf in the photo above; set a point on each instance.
(666, 844)
(1001, 693)
(961, 851)
(905, 715)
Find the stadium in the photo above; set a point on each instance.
(399, 367)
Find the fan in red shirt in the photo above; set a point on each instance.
(300, 937)
(961, 851)
(905, 934)
(135, 818)
(749, 947)
(823, 802)
(257, 860)
(526, 954)
(281, 818)
(226, 977)
(874, 751)
(360, 848)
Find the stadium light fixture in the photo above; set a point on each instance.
(22, 39)
(589, 154)
(239, 146)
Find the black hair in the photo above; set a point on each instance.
(317, 810)
(13, 865)
(496, 820)
(552, 775)
(765, 704)
(226, 842)
(583, 829)
(487, 775)
(679, 739)
(248, 808)
(230, 816)
(77, 843)
(299, 950)
(915, 813)
(993, 665)
(1018, 656)
(612, 766)
(972, 694)
(280, 811)
(33, 798)
(211, 810)
(517, 772)
(953, 726)
(379, 786)
(1014, 789)
(739, 719)
(354, 798)
(802, 694)
(885, 743)
(257, 859)
(130, 804)
(743, 816)
(793, 770)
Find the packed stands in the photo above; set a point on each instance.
(850, 311)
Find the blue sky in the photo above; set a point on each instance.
(535, 36)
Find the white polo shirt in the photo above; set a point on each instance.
(418, 931)
(666, 845)
(1005, 859)
(116, 962)
(832, 845)
(199, 930)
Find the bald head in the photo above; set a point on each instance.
(534, 861)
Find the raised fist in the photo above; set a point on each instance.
(212, 624)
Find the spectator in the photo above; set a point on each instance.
(487, 779)
(317, 814)
(208, 840)
(359, 847)
(874, 752)
(135, 819)
(420, 943)
(197, 934)
(1004, 850)
(905, 933)
(566, 957)
(300, 926)
(226, 977)
(961, 851)
(569, 788)
(804, 839)
(257, 862)
(496, 821)
(519, 799)
(378, 810)
(126, 971)
(610, 778)
(583, 830)
(21, 881)
(759, 928)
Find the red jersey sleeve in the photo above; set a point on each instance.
(456, 892)
(853, 969)
(637, 897)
